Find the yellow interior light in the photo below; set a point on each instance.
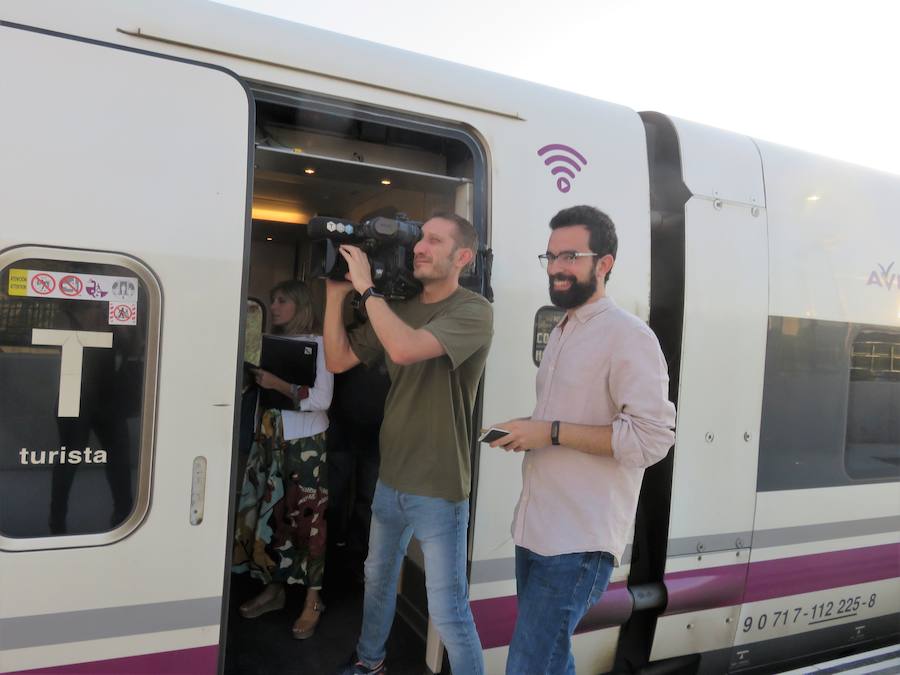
(269, 238)
(278, 215)
(310, 171)
(385, 181)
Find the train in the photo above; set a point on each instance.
(158, 168)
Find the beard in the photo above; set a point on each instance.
(438, 270)
(576, 294)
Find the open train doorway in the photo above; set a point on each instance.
(321, 158)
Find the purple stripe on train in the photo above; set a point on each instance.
(495, 618)
(198, 661)
(817, 572)
(724, 586)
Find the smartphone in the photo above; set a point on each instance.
(492, 434)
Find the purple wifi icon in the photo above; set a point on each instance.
(561, 160)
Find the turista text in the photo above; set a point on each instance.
(62, 456)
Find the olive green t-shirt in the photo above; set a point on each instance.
(427, 429)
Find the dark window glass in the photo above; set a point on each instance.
(873, 409)
(821, 427)
(73, 339)
(545, 321)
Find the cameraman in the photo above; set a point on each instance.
(435, 346)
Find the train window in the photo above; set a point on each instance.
(820, 426)
(79, 334)
(872, 448)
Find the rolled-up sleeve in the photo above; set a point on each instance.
(642, 431)
(320, 393)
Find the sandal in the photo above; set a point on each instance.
(301, 629)
(272, 598)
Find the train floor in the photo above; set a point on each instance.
(264, 646)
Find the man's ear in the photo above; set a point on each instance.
(464, 257)
(604, 265)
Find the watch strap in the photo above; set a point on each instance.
(554, 432)
(368, 293)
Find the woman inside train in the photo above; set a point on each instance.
(280, 529)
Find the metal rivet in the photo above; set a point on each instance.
(717, 204)
(710, 437)
(689, 626)
(699, 546)
(739, 543)
(754, 211)
(747, 436)
(728, 620)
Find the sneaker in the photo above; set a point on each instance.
(358, 668)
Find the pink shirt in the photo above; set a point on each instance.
(603, 367)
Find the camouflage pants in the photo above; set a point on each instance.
(280, 529)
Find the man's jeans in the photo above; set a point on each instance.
(554, 592)
(440, 526)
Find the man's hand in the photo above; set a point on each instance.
(360, 272)
(524, 434)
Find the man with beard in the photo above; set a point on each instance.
(435, 346)
(602, 416)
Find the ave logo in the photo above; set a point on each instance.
(884, 277)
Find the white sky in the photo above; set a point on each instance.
(822, 76)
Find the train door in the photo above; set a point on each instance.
(709, 234)
(124, 207)
(315, 157)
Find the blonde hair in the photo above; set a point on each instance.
(304, 317)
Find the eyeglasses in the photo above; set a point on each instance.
(566, 258)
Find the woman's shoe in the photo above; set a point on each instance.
(271, 599)
(305, 627)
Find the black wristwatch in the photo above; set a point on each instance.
(554, 432)
(369, 292)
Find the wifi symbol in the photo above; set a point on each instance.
(563, 159)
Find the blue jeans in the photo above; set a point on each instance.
(554, 593)
(440, 526)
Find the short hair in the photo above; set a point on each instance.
(466, 236)
(602, 240)
(304, 317)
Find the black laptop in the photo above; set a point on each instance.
(290, 359)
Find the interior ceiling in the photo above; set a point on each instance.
(336, 186)
(321, 122)
(312, 194)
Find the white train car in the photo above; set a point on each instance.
(156, 169)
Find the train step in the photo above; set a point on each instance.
(882, 661)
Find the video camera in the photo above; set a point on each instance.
(387, 242)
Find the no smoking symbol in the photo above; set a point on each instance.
(43, 284)
(70, 285)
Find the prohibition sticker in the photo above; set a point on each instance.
(70, 285)
(73, 286)
(43, 283)
(122, 314)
